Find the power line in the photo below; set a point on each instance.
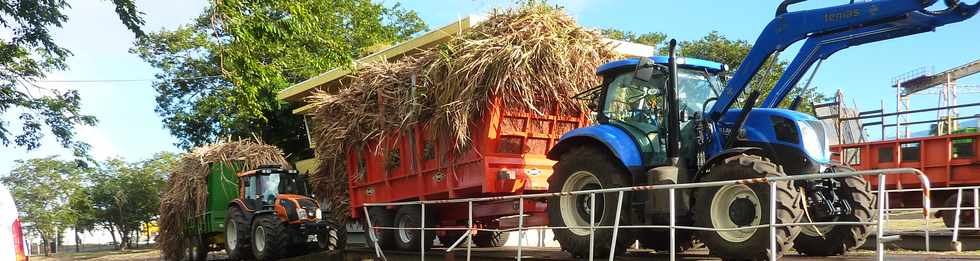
(128, 80)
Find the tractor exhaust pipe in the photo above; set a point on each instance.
(673, 123)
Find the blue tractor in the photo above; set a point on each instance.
(668, 120)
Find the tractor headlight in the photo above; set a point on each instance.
(301, 212)
(319, 213)
(814, 142)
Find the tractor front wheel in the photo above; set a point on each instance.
(490, 238)
(334, 239)
(268, 237)
(829, 240)
(237, 234)
(743, 205)
(588, 168)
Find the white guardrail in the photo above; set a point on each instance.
(882, 174)
(957, 209)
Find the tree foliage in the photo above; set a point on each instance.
(127, 195)
(28, 52)
(220, 74)
(42, 189)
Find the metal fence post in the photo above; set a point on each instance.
(673, 216)
(956, 221)
(469, 232)
(619, 212)
(976, 201)
(772, 221)
(520, 229)
(591, 226)
(422, 233)
(880, 248)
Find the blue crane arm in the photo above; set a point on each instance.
(832, 29)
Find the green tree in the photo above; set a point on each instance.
(42, 189)
(27, 53)
(127, 195)
(83, 214)
(650, 38)
(220, 74)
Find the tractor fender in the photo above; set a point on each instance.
(721, 156)
(613, 139)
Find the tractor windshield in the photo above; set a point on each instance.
(641, 103)
(275, 184)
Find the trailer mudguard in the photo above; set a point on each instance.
(614, 139)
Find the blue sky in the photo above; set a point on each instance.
(129, 128)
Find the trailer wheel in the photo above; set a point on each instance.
(450, 236)
(966, 211)
(657, 239)
(269, 237)
(380, 217)
(587, 168)
(832, 240)
(490, 238)
(198, 248)
(741, 205)
(237, 234)
(408, 220)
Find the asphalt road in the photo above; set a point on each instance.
(551, 254)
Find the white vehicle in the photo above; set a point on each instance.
(11, 235)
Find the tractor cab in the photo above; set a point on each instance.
(639, 108)
(281, 190)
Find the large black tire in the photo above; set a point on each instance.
(657, 239)
(450, 236)
(199, 248)
(966, 210)
(237, 245)
(380, 217)
(269, 237)
(409, 220)
(742, 205)
(490, 238)
(834, 240)
(587, 168)
(334, 239)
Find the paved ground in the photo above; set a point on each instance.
(550, 254)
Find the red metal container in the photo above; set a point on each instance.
(505, 156)
(948, 161)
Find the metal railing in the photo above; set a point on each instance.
(671, 226)
(957, 209)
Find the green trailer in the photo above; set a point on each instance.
(268, 205)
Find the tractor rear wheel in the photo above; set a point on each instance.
(408, 237)
(588, 168)
(830, 240)
(269, 237)
(237, 235)
(380, 217)
(490, 238)
(743, 205)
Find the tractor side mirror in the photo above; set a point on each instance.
(644, 70)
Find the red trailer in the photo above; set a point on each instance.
(948, 161)
(505, 156)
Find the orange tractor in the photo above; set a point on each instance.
(273, 216)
